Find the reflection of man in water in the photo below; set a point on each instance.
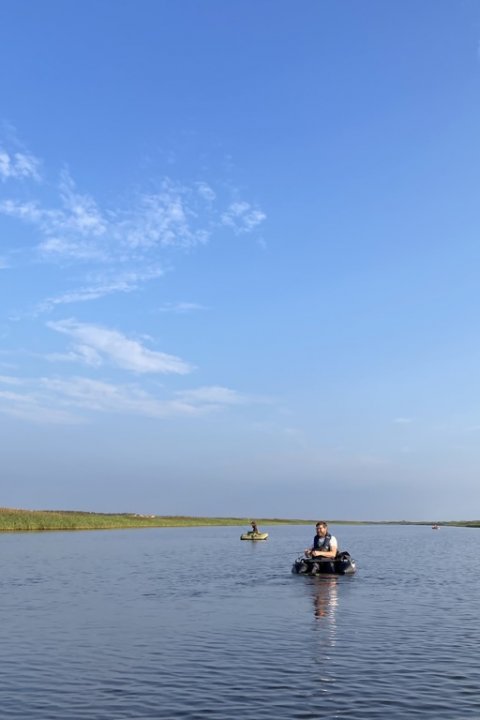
(325, 598)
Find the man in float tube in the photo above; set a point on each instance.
(324, 544)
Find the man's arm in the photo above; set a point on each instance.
(309, 551)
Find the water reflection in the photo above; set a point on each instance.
(325, 598)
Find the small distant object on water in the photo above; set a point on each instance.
(435, 526)
(254, 533)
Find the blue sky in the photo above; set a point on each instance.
(239, 252)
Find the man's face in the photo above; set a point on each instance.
(321, 530)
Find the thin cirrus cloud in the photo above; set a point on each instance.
(214, 395)
(180, 308)
(98, 396)
(58, 400)
(9, 380)
(122, 283)
(94, 345)
(31, 407)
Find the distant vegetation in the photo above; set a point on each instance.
(24, 520)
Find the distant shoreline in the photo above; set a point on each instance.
(16, 520)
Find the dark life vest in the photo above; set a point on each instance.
(322, 543)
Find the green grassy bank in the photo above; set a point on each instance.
(13, 520)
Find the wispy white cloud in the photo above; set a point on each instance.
(73, 227)
(77, 218)
(177, 215)
(98, 396)
(101, 396)
(75, 399)
(32, 408)
(29, 211)
(81, 354)
(115, 247)
(18, 165)
(80, 230)
(205, 191)
(172, 217)
(122, 283)
(65, 232)
(403, 420)
(214, 395)
(242, 217)
(81, 213)
(95, 344)
(10, 380)
(180, 307)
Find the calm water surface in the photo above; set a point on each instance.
(193, 623)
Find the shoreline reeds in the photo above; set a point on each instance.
(18, 520)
